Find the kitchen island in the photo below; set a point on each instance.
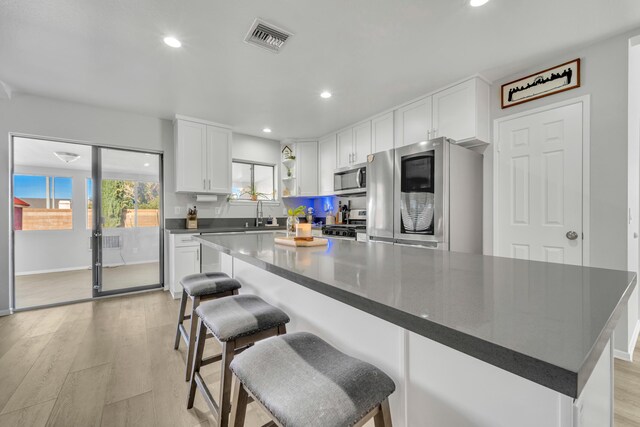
(470, 340)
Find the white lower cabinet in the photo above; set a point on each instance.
(184, 259)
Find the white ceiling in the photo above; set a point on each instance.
(40, 153)
(372, 54)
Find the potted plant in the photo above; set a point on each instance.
(253, 193)
(292, 218)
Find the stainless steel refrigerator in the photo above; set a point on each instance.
(426, 194)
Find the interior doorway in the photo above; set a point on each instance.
(540, 189)
(86, 221)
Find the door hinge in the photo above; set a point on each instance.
(98, 264)
(96, 287)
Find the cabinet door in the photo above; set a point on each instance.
(454, 112)
(307, 168)
(186, 261)
(382, 133)
(191, 160)
(361, 142)
(413, 122)
(344, 143)
(326, 163)
(219, 160)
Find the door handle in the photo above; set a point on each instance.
(572, 235)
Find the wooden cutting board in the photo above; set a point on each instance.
(289, 241)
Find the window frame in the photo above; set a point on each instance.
(252, 163)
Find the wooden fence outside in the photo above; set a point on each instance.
(62, 219)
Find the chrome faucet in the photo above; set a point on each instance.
(259, 214)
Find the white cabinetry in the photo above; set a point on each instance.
(307, 168)
(345, 147)
(184, 259)
(353, 145)
(382, 133)
(203, 157)
(326, 164)
(413, 122)
(361, 142)
(461, 112)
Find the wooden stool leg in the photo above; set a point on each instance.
(238, 404)
(197, 360)
(224, 402)
(192, 336)
(383, 417)
(183, 306)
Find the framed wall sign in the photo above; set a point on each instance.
(543, 83)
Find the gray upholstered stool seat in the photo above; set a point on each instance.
(239, 315)
(201, 284)
(303, 381)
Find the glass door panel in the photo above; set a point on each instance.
(130, 205)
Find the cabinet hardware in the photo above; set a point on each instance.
(204, 184)
(429, 134)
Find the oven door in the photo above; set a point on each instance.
(420, 186)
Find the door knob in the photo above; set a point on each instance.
(572, 235)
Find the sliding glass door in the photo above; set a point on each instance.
(127, 234)
(86, 221)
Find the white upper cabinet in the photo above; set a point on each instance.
(353, 145)
(413, 122)
(219, 160)
(361, 142)
(461, 112)
(307, 168)
(382, 133)
(326, 163)
(344, 148)
(203, 158)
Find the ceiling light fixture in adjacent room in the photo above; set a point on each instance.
(266, 130)
(478, 3)
(66, 157)
(172, 41)
(326, 94)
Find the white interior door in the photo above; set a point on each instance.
(539, 186)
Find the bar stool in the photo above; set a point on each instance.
(200, 287)
(300, 380)
(237, 322)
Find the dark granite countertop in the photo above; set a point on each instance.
(545, 322)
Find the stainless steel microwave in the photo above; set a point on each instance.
(352, 179)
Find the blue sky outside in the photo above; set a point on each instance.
(35, 187)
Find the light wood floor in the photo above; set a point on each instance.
(34, 290)
(111, 362)
(108, 362)
(627, 390)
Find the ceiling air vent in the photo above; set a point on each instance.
(267, 36)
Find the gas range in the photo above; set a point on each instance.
(349, 231)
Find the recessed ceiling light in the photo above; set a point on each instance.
(478, 3)
(146, 165)
(172, 41)
(266, 130)
(326, 94)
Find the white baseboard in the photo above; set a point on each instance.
(627, 356)
(5, 312)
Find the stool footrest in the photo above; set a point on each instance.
(211, 403)
(213, 359)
